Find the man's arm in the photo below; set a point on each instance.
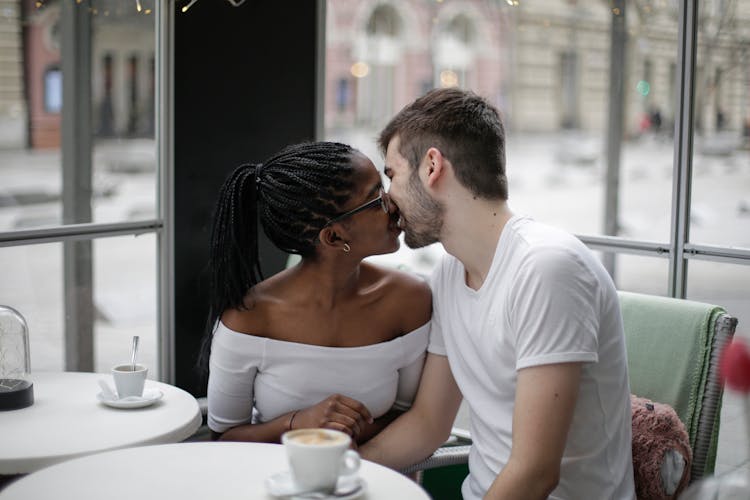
(545, 401)
(425, 426)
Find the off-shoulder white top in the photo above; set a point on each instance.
(256, 379)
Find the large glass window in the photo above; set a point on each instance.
(613, 132)
(123, 301)
(720, 181)
(636, 273)
(78, 163)
(725, 284)
(109, 48)
(590, 97)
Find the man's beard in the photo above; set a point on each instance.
(425, 220)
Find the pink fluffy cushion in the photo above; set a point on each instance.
(661, 450)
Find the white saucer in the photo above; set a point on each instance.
(150, 396)
(281, 485)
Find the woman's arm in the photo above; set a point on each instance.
(335, 412)
(233, 365)
(267, 432)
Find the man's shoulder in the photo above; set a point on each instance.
(538, 234)
(539, 244)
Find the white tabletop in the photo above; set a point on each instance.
(186, 471)
(67, 421)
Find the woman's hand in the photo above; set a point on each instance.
(335, 412)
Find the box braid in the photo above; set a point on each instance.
(293, 194)
(301, 188)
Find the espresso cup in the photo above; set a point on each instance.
(129, 382)
(317, 457)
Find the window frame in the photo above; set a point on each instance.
(679, 249)
(160, 226)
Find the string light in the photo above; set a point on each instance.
(235, 3)
(186, 7)
(138, 5)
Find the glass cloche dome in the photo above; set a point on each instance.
(16, 389)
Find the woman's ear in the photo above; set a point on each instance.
(331, 237)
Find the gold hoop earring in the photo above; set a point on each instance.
(347, 248)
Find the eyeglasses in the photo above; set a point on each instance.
(381, 200)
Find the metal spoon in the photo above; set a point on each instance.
(135, 351)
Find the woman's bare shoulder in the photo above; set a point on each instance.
(253, 316)
(244, 320)
(266, 307)
(410, 295)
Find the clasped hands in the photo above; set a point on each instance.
(336, 412)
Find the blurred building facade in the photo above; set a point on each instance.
(546, 65)
(380, 55)
(13, 112)
(122, 71)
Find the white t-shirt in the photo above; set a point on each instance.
(256, 379)
(546, 299)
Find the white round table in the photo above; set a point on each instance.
(67, 421)
(187, 471)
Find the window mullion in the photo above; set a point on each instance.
(76, 131)
(165, 154)
(683, 156)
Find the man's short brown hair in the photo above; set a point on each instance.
(466, 129)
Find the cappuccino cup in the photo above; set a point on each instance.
(318, 457)
(129, 382)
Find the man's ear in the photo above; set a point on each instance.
(434, 166)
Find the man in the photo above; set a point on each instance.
(526, 321)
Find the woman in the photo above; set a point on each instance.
(331, 342)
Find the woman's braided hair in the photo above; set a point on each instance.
(293, 194)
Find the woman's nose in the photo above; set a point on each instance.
(389, 202)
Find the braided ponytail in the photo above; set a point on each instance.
(233, 256)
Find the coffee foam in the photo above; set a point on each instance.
(316, 437)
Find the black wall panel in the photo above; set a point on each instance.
(244, 88)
